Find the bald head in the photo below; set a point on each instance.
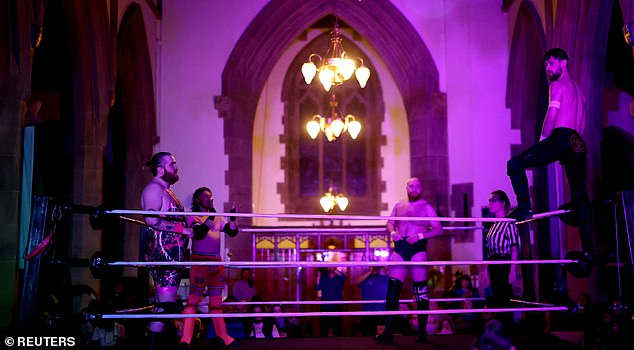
(414, 189)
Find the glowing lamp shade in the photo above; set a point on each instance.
(309, 69)
(363, 74)
(326, 202)
(337, 127)
(354, 128)
(346, 68)
(313, 129)
(326, 77)
(342, 202)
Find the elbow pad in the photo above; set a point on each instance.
(227, 229)
(200, 231)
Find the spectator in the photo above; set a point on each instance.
(373, 284)
(106, 334)
(401, 324)
(616, 326)
(244, 289)
(262, 327)
(330, 282)
(462, 288)
(446, 327)
(494, 337)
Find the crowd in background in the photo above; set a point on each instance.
(603, 326)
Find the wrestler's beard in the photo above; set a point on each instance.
(170, 178)
(413, 198)
(554, 76)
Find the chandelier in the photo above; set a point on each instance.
(333, 124)
(336, 66)
(332, 199)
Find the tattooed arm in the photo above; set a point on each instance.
(153, 199)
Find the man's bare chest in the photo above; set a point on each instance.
(412, 209)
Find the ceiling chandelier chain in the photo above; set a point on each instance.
(333, 124)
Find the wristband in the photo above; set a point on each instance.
(229, 231)
(178, 227)
(421, 236)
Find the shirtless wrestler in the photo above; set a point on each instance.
(410, 244)
(166, 237)
(560, 141)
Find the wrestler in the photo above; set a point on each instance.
(560, 141)
(207, 280)
(166, 237)
(410, 244)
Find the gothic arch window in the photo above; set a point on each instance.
(351, 167)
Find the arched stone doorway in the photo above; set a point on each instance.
(131, 135)
(393, 38)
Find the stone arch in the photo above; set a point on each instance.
(527, 98)
(132, 131)
(394, 39)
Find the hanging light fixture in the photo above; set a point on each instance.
(332, 199)
(336, 66)
(333, 124)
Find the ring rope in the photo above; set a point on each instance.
(342, 302)
(137, 309)
(324, 216)
(283, 264)
(343, 230)
(530, 302)
(315, 302)
(338, 313)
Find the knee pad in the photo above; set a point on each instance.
(514, 166)
(157, 326)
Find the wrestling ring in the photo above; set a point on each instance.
(574, 263)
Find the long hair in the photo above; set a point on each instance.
(198, 192)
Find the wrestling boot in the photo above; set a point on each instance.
(421, 294)
(394, 287)
(516, 171)
(156, 340)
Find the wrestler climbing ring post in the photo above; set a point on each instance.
(40, 341)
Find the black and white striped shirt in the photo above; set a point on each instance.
(501, 237)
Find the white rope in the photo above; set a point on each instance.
(340, 230)
(530, 302)
(340, 313)
(343, 302)
(540, 216)
(283, 264)
(313, 216)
